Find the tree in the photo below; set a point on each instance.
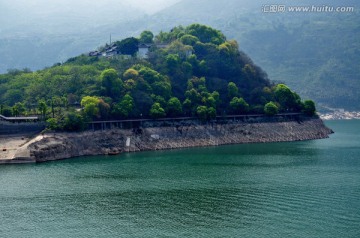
(73, 122)
(187, 106)
(239, 105)
(174, 107)
(42, 108)
(206, 34)
(131, 74)
(90, 106)
(7, 111)
(201, 111)
(111, 82)
(309, 107)
(271, 109)
(189, 40)
(172, 62)
(157, 111)
(128, 46)
(146, 37)
(211, 113)
(233, 90)
(53, 124)
(162, 88)
(124, 107)
(288, 99)
(18, 109)
(104, 109)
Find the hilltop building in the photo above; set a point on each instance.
(143, 51)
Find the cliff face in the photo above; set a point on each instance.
(178, 135)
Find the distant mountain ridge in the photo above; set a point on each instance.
(317, 54)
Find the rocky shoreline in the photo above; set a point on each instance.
(56, 146)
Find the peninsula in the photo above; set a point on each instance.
(187, 87)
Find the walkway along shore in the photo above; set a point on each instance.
(168, 134)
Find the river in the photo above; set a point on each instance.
(297, 189)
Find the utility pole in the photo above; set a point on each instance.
(110, 38)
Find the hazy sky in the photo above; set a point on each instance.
(27, 16)
(149, 6)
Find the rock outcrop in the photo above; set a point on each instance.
(55, 146)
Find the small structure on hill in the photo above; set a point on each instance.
(113, 50)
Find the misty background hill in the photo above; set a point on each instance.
(316, 54)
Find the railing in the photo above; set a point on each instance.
(136, 123)
(19, 119)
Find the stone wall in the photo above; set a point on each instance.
(9, 128)
(66, 145)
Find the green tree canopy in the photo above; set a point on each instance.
(42, 108)
(131, 74)
(146, 37)
(233, 90)
(124, 107)
(111, 83)
(206, 34)
(287, 99)
(189, 39)
(239, 105)
(309, 107)
(271, 109)
(157, 111)
(128, 46)
(91, 106)
(174, 107)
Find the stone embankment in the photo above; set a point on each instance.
(55, 146)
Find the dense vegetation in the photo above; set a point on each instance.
(316, 54)
(199, 73)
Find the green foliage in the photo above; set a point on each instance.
(124, 107)
(201, 112)
(42, 108)
(239, 105)
(271, 109)
(309, 107)
(128, 46)
(91, 106)
(131, 74)
(104, 109)
(174, 107)
(53, 124)
(157, 111)
(189, 40)
(211, 113)
(233, 90)
(286, 98)
(198, 67)
(146, 37)
(206, 34)
(73, 122)
(7, 112)
(205, 113)
(18, 109)
(111, 82)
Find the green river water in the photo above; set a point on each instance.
(297, 189)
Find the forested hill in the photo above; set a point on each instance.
(188, 71)
(315, 53)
